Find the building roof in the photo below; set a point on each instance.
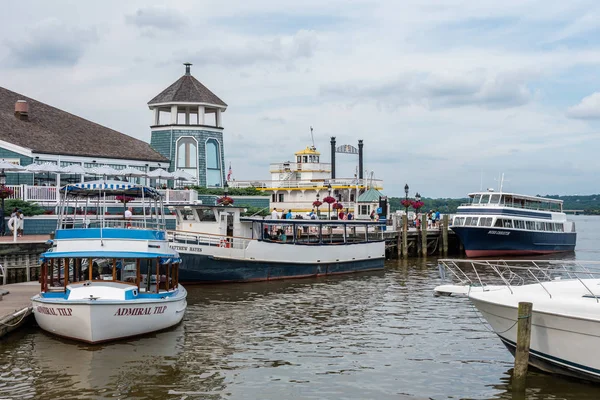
(370, 196)
(187, 89)
(307, 150)
(49, 130)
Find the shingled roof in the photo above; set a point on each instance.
(187, 89)
(49, 130)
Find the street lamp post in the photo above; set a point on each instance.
(418, 198)
(318, 206)
(3, 221)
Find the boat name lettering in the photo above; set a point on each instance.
(186, 248)
(505, 233)
(121, 312)
(60, 312)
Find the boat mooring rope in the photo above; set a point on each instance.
(23, 311)
(485, 323)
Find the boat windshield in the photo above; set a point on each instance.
(57, 273)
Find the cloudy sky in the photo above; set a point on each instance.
(446, 94)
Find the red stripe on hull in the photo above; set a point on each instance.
(500, 253)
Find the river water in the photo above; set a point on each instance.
(376, 335)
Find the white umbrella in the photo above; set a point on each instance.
(130, 171)
(160, 174)
(45, 167)
(75, 169)
(105, 171)
(10, 167)
(181, 175)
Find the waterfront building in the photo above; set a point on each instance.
(187, 129)
(35, 132)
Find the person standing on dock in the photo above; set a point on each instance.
(274, 214)
(128, 215)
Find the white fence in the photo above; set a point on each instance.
(47, 195)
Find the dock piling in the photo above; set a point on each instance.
(522, 350)
(424, 235)
(445, 235)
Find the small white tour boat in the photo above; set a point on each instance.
(106, 279)
(565, 327)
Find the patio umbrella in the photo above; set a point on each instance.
(105, 171)
(181, 175)
(133, 172)
(10, 167)
(47, 168)
(160, 174)
(75, 169)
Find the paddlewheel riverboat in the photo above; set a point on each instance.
(107, 279)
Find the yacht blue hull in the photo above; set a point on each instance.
(197, 268)
(493, 242)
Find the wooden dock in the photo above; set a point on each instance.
(21, 259)
(404, 241)
(15, 305)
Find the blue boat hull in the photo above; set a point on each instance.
(486, 242)
(197, 268)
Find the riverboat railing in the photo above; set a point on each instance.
(489, 274)
(178, 238)
(309, 184)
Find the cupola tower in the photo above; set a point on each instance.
(187, 128)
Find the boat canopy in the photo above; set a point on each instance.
(516, 197)
(110, 188)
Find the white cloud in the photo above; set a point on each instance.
(587, 108)
(157, 17)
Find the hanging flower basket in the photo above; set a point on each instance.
(6, 192)
(337, 206)
(124, 199)
(406, 203)
(329, 200)
(417, 204)
(317, 204)
(225, 201)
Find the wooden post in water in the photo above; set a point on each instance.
(405, 236)
(522, 351)
(445, 235)
(424, 234)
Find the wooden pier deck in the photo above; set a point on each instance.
(15, 305)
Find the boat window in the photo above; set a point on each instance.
(507, 223)
(548, 226)
(495, 199)
(530, 225)
(476, 199)
(519, 224)
(560, 228)
(458, 221)
(487, 221)
(305, 159)
(468, 221)
(485, 199)
(539, 226)
(474, 221)
(187, 214)
(499, 223)
(206, 214)
(299, 159)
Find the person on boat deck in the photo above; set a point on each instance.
(95, 270)
(128, 215)
(372, 215)
(341, 215)
(274, 214)
(282, 235)
(288, 215)
(266, 235)
(349, 214)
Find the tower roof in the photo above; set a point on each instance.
(187, 89)
(370, 196)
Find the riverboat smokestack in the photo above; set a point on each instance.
(22, 110)
(360, 159)
(333, 157)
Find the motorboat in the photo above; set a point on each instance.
(107, 279)
(565, 327)
(218, 245)
(499, 224)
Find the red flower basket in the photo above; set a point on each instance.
(225, 201)
(337, 206)
(417, 204)
(317, 203)
(124, 199)
(6, 192)
(329, 200)
(406, 203)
